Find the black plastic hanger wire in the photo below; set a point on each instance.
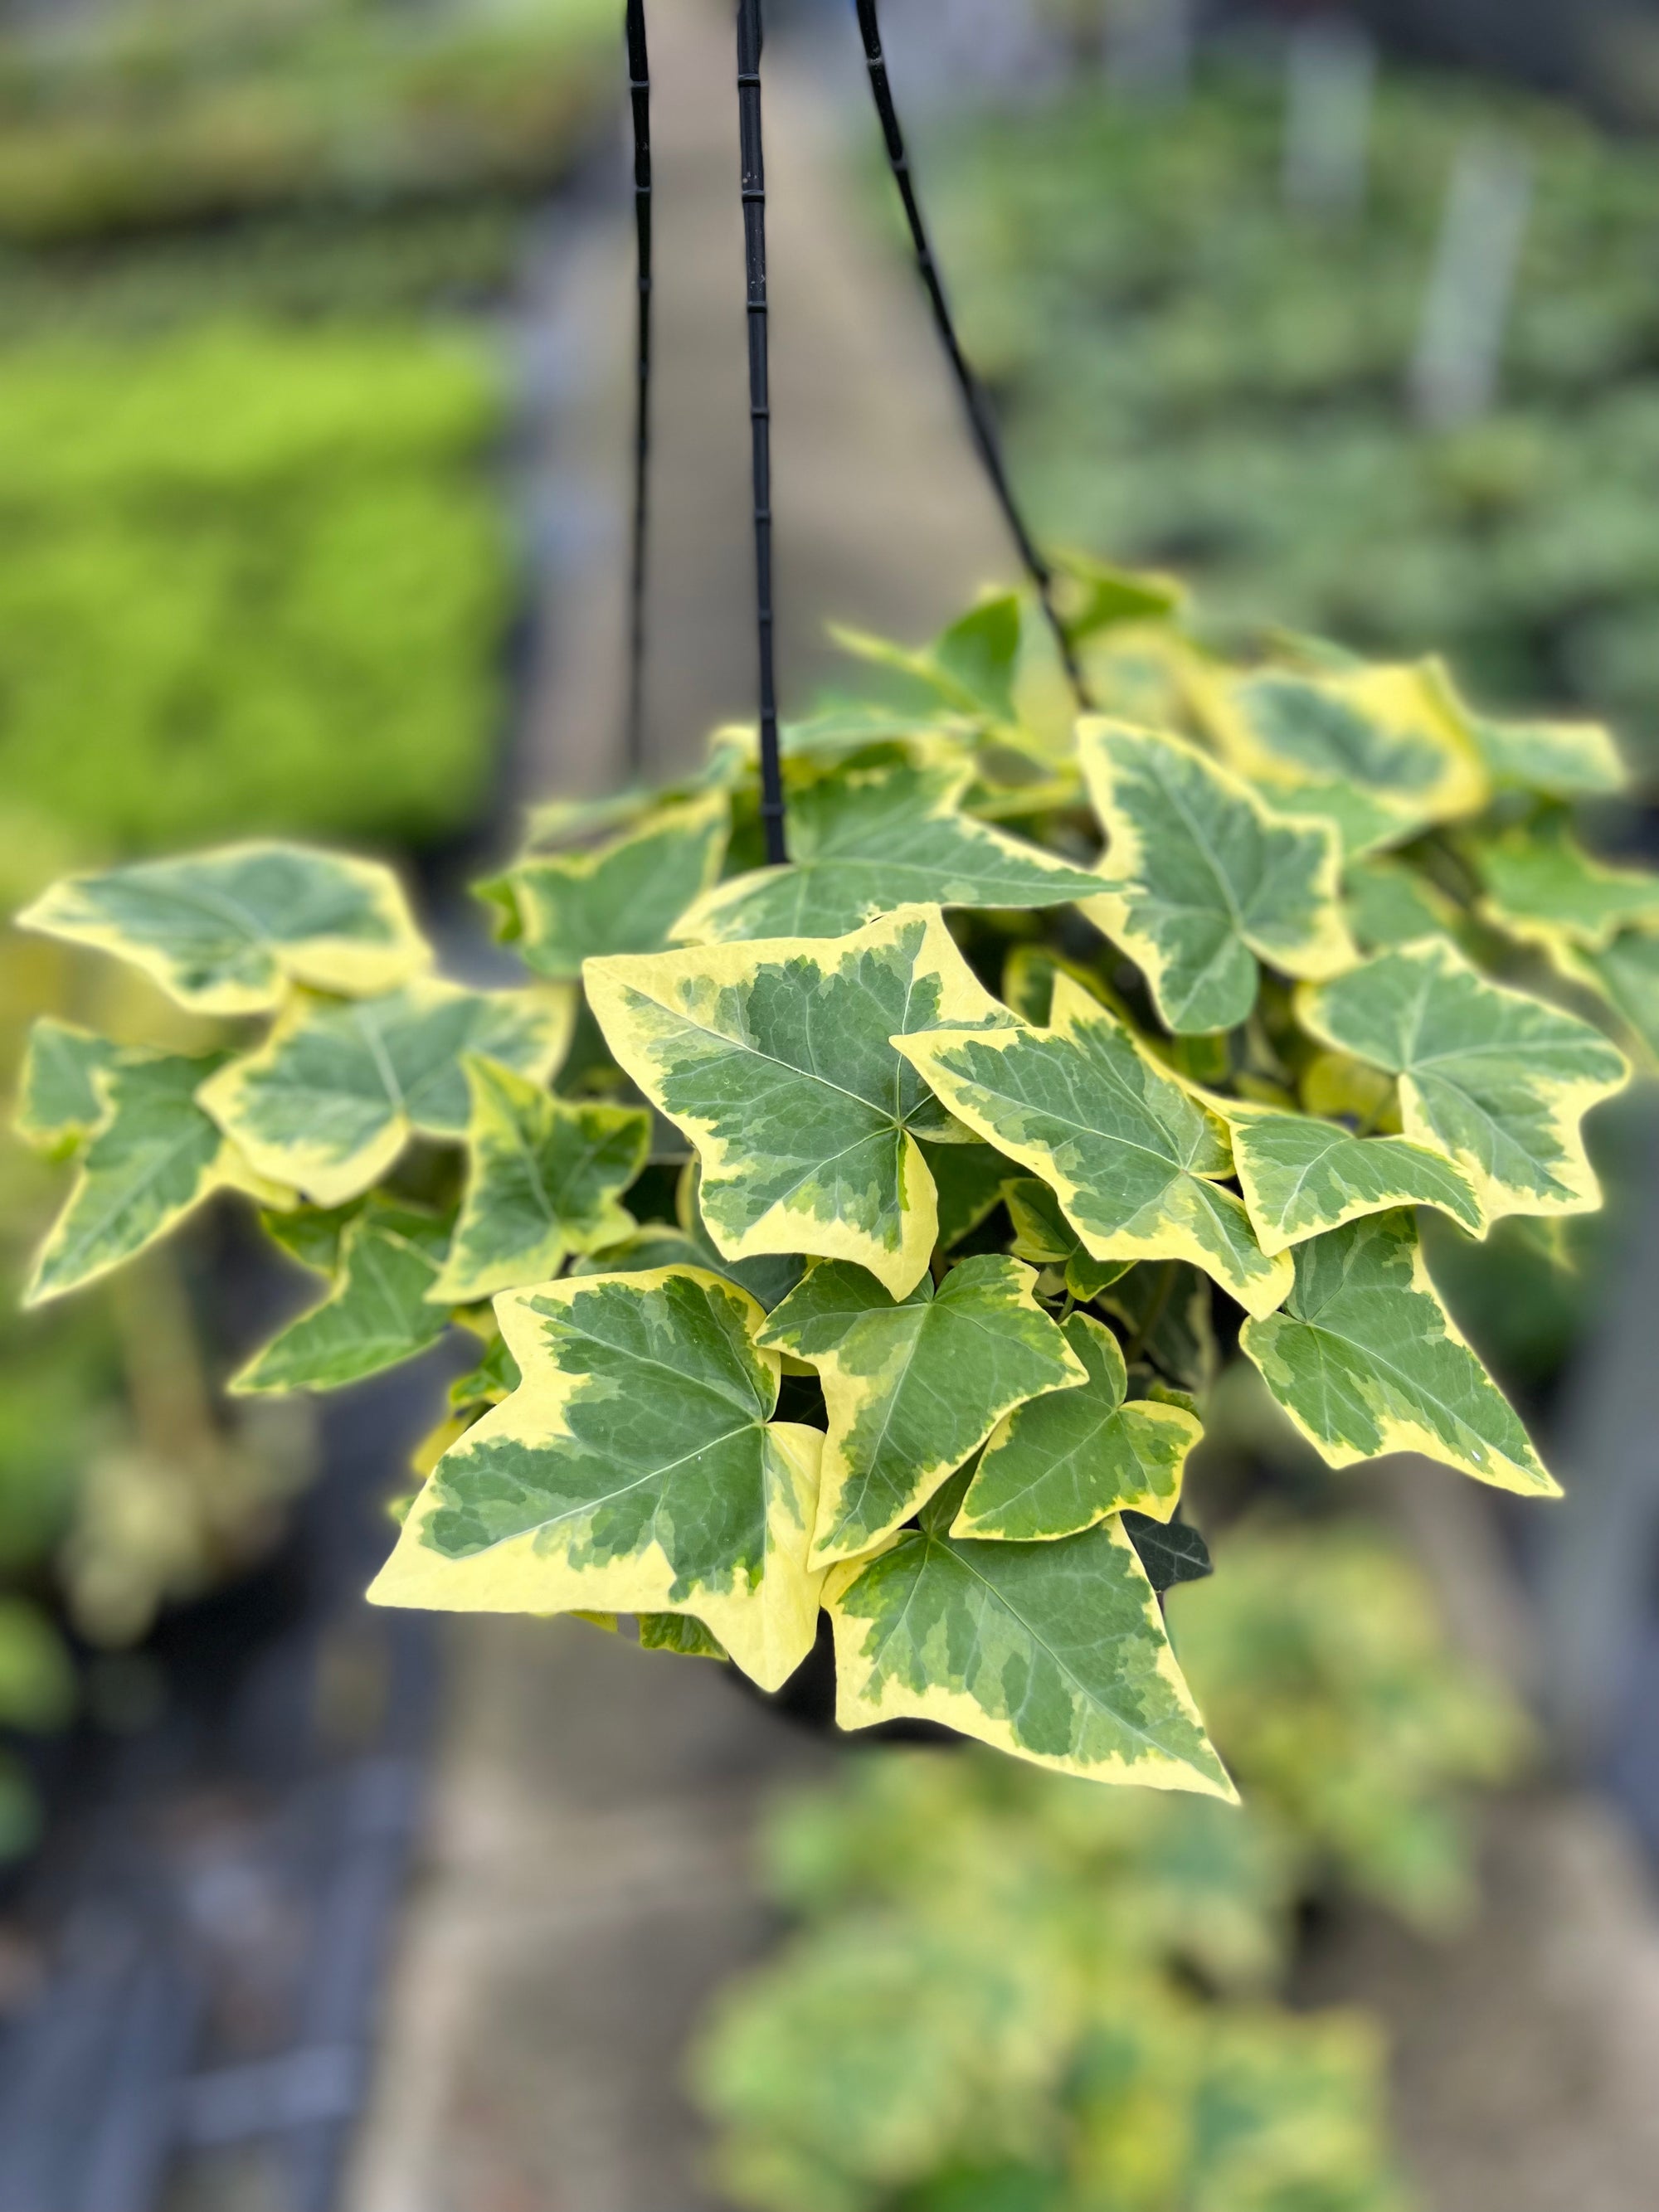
(760, 414)
(980, 423)
(639, 93)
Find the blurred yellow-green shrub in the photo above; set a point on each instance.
(147, 114)
(251, 579)
(1010, 1992)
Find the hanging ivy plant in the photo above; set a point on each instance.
(869, 1250)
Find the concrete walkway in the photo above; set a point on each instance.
(587, 1886)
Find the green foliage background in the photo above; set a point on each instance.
(1192, 374)
(1007, 1991)
(251, 579)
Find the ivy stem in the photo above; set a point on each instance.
(639, 93)
(760, 414)
(981, 424)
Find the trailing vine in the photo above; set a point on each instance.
(857, 1235)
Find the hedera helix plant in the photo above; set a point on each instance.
(857, 1235)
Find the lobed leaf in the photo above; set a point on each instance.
(869, 839)
(1053, 1652)
(1388, 904)
(495, 1376)
(1095, 595)
(1301, 1176)
(228, 931)
(544, 1179)
(679, 1632)
(1494, 1080)
(1365, 1359)
(1204, 880)
(59, 1104)
(634, 1470)
(313, 1234)
(1044, 1236)
(912, 1387)
(970, 667)
(624, 897)
(774, 1059)
(1561, 760)
(1135, 1160)
(1060, 1463)
(155, 1157)
(1625, 975)
(377, 1315)
(1380, 753)
(331, 1099)
(1542, 887)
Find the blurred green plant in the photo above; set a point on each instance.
(250, 578)
(359, 266)
(1014, 1994)
(150, 114)
(1193, 373)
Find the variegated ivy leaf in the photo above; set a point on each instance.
(623, 896)
(1542, 886)
(544, 1178)
(1202, 880)
(970, 667)
(1562, 760)
(228, 931)
(912, 1387)
(679, 1632)
(1388, 904)
(869, 839)
(1365, 1359)
(59, 1102)
(155, 1157)
(1166, 1309)
(775, 1060)
(1062, 1462)
(1095, 595)
(1300, 1177)
(1379, 751)
(1055, 1653)
(1496, 1081)
(313, 1234)
(1135, 1160)
(337, 1090)
(636, 1469)
(377, 1315)
(1626, 974)
(1043, 1236)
